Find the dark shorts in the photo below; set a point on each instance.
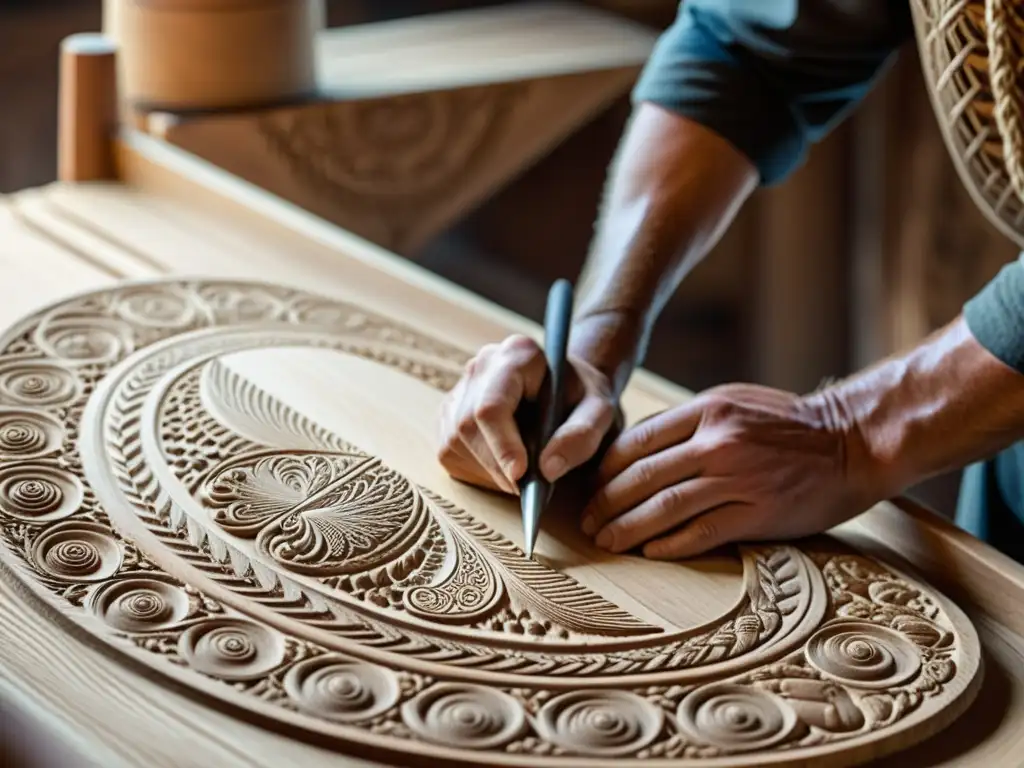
(991, 504)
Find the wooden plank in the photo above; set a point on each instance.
(514, 42)
(38, 271)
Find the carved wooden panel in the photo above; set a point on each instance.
(234, 484)
(397, 169)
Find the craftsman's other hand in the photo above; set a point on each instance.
(737, 463)
(480, 441)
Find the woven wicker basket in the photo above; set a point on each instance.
(972, 52)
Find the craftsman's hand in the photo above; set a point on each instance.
(738, 463)
(480, 442)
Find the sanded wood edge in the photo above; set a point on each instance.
(966, 568)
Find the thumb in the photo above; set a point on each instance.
(576, 441)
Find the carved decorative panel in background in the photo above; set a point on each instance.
(384, 161)
(235, 484)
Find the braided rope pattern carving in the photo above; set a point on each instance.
(971, 55)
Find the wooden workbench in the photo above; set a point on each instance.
(171, 214)
(167, 676)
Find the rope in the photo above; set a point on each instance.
(1004, 63)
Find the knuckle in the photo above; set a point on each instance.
(643, 472)
(723, 446)
(671, 499)
(478, 362)
(466, 429)
(703, 529)
(488, 409)
(518, 343)
(720, 408)
(448, 451)
(578, 437)
(604, 412)
(643, 437)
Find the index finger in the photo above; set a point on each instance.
(499, 397)
(648, 437)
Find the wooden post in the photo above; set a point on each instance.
(215, 54)
(87, 116)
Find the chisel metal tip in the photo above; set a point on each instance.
(532, 503)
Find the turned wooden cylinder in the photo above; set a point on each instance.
(87, 108)
(181, 55)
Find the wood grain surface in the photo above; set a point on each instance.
(176, 216)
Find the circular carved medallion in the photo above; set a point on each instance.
(220, 480)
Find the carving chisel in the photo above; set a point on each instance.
(539, 418)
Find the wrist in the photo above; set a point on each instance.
(610, 341)
(938, 407)
(851, 410)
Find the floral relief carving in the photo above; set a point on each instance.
(192, 520)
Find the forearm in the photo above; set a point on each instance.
(942, 405)
(673, 190)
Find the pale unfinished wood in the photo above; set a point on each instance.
(235, 484)
(204, 211)
(87, 108)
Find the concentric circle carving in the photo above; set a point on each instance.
(82, 341)
(600, 723)
(342, 689)
(222, 536)
(863, 655)
(465, 716)
(27, 434)
(38, 493)
(36, 383)
(77, 552)
(141, 604)
(232, 649)
(737, 718)
(157, 307)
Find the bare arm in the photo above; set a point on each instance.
(674, 189)
(940, 406)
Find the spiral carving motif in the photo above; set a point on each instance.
(157, 307)
(316, 531)
(600, 723)
(341, 690)
(465, 716)
(27, 434)
(39, 494)
(37, 383)
(77, 552)
(736, 718)
(140, 605)
(232, 649)
(81, 341)
(242, 306)
(863, 655)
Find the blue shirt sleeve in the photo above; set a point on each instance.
(995, 316)
(772, 76)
